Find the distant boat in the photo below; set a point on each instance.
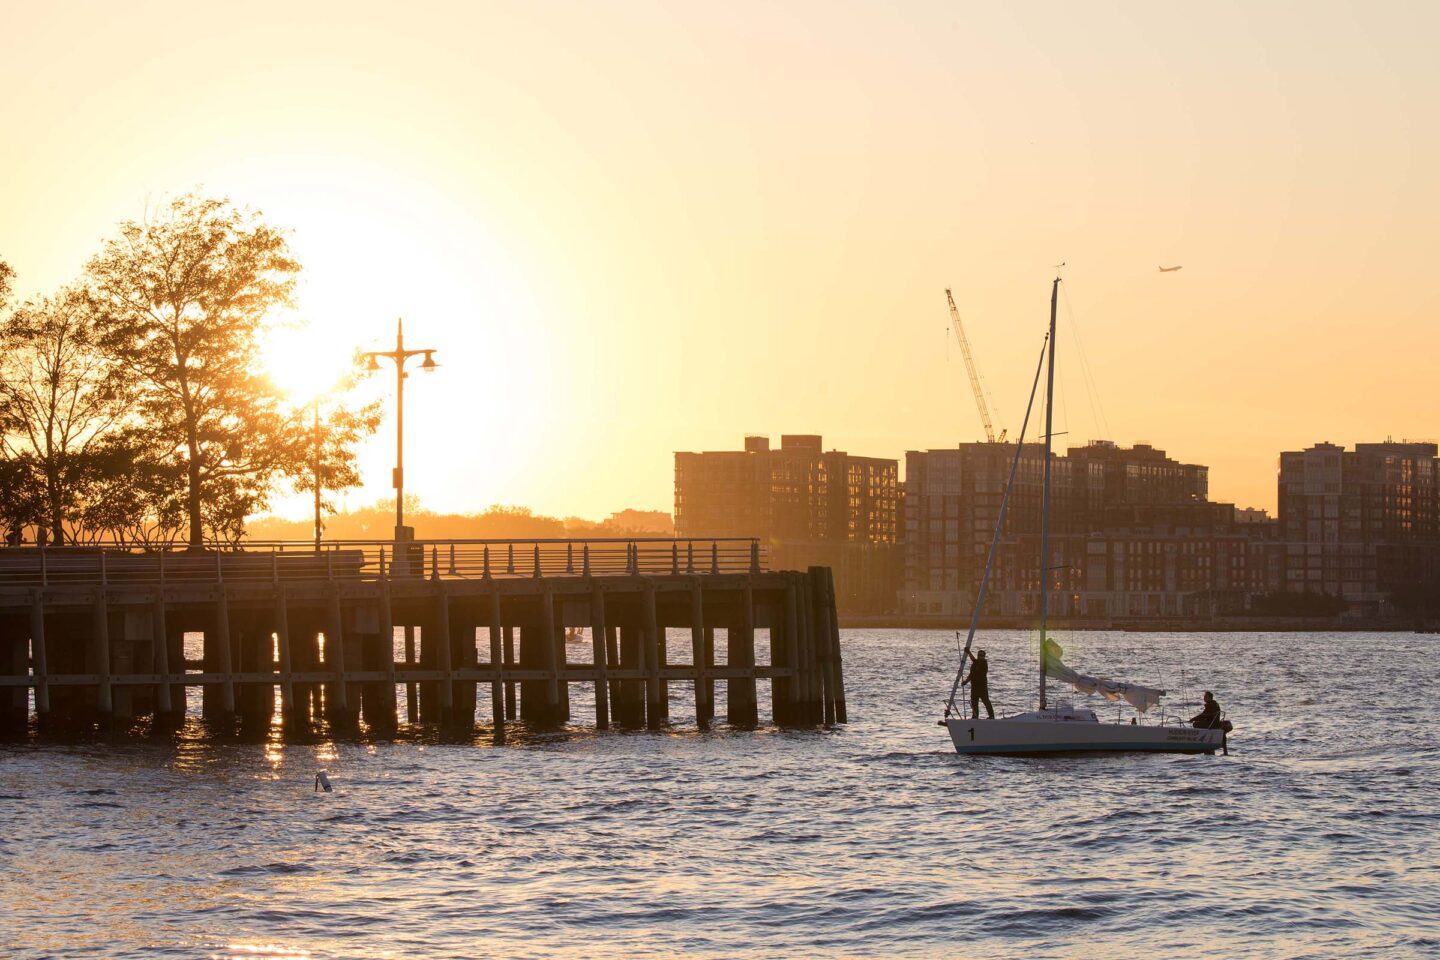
(1171, 269)
(1062, 727)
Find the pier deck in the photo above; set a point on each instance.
(100, 635)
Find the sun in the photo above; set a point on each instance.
(305, 361)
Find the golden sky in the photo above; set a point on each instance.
(633, 228)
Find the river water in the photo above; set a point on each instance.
(1319, 836)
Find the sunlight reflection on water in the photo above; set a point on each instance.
(1315, 838)
(274, 951)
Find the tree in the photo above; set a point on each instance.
(136, 493)
(15, 508)
(331, 439)
(60, 404)
(182, 301)
(1419, 596)
(6, 277)
(18, 504)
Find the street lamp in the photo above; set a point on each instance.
(316, 439)
(400, 355)
(317, 446)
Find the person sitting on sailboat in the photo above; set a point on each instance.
(979, 681)
(1209, 718)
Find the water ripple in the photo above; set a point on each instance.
(1317, 837)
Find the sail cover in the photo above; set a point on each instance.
(1141, 698)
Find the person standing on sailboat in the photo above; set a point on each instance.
(1055, 728)
(979, 681)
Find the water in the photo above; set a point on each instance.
(1317, 837)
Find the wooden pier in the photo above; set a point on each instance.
(100, 635)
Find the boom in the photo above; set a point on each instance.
(970, 368)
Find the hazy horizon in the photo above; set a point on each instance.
(640, 228)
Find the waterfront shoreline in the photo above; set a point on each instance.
(1145, 625)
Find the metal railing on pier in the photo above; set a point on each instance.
(259, 561)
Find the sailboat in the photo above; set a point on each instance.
(1060, 727)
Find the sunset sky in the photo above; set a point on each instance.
(635, 228)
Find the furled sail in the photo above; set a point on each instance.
(1141, 698)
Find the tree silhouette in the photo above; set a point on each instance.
(59, 404)
(181, 302)
(135, 493)
(6, 277)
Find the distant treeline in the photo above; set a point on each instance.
(377, 522)
(134, 403)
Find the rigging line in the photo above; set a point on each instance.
(1090, 394)
(1086, 377)
(1092, 390)
(1092, 386)
(999, 525)
(1085, 381)
(1064, 407)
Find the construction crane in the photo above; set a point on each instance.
(974, 376)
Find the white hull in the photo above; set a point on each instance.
(1059, 733)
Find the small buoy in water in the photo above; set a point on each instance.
(322, 782)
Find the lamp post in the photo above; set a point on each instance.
(317, 450)
(316, 439)
(400, 355)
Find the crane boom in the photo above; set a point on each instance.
(970, 368)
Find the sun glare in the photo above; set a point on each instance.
(305, 361)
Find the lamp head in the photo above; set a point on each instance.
(373, 363)
(429, 364)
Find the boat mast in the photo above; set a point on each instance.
(1045, 491)
(999, 526)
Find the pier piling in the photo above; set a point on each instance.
(704, 686)
(101, 637)
(443, 642)
(499, 690)
(598, 652)
(39, 660)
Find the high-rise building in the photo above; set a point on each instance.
(799, 492)
(1131, 533)
(810, 506)
(952, 500)
(1361, 526)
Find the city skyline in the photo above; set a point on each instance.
(748, 480)
(1139, 535)
(605, 263)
